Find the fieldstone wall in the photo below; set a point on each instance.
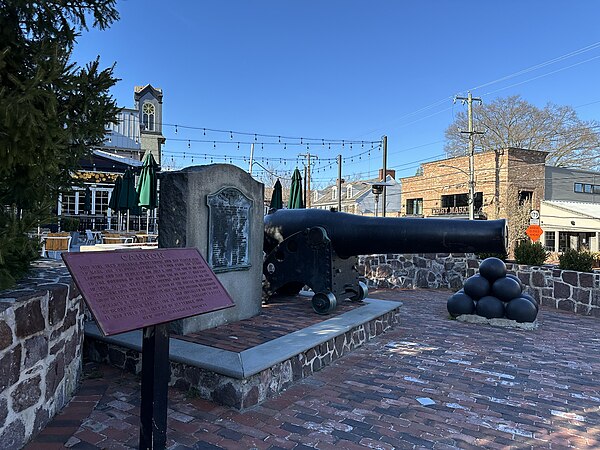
(41, 336)
(430, 270)
(250, 391)
(567, 290)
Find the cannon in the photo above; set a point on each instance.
(319, 248)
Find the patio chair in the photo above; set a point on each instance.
(89, 238)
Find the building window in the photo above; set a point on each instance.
(68, 203)
(102, 199)
(148, 116)
(334, 193)
(315, 196)
(414, 206)
(526, 198)
(349, 192)
(549, 241)
(586, 188)
(563, 241)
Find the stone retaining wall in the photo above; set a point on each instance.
(252, 390)
(567, 290)
(560, 289)
(430, 270)
(41, 336)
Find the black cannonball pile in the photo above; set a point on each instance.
(494, 295)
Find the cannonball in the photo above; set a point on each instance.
(521, 310)
(517, 279)
(460, 303)
(492, 269)
(506, 289)
(531, 299)
(490, 307)
(476, 287)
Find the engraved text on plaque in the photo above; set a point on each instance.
(229, 230)
(128, 290)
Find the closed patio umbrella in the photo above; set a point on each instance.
(87, 201)
(147, 186)
(116, 192)
(128, 198)
(295, 200)
(114, 200)
(277, 197)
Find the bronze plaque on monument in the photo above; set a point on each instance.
(228, 230)
(132, 289)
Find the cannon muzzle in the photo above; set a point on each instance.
(353, 235)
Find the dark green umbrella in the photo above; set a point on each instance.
(277, 197)
(128, 198)
(147, 186)
(87, 201)
(114, 197)
(295, 201)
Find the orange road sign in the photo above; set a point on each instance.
(534, 232)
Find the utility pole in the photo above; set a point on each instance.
(469, 101)
(308, 157)
(384, 174)
(339, 182)
(251, 158)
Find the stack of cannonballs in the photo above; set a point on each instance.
(494, 295)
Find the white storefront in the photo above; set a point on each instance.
(570, 225)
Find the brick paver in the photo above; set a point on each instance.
(491, 387)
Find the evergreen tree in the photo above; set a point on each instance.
(52, 113)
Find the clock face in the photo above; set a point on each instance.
(534, 214)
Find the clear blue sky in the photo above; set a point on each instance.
(343, 69)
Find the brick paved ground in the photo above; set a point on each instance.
(492, 388)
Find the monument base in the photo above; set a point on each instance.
(242, 371)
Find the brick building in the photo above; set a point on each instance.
(508, 184)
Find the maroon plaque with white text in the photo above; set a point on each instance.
(131, 289)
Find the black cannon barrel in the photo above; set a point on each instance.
(353, 235)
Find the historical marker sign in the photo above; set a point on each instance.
(129, 290)
(228, 230)
(534, 232)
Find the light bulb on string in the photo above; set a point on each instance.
(238, 145)
(175, 129)
(279, 139)
(183, 155)
(214, 144)
(362, 144)
(284, 146)
(231, 135)
(204, 131)
(255, 138)
(300, 141)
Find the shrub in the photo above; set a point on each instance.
(530, 253)
(69, 224)
(502, 256)
(575, 260)
(17, 250)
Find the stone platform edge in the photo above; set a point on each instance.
(247, 378)
(252, 361)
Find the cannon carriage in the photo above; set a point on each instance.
(319, 248)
